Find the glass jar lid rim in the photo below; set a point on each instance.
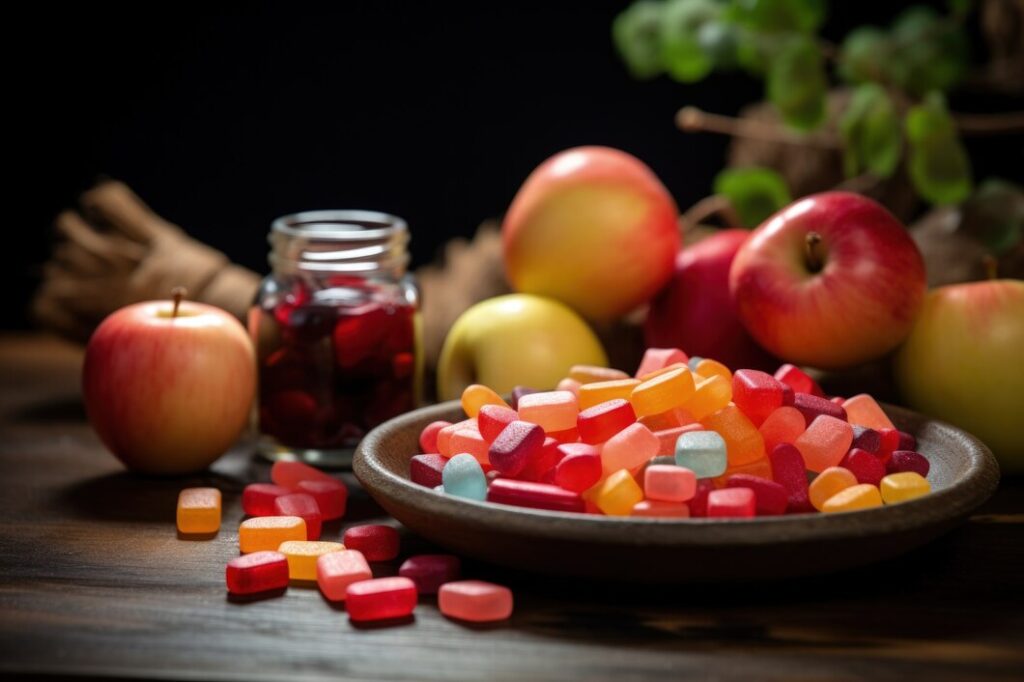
(340, 224)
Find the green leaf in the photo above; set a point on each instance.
(938, 163)
(636, 33)
(862, 57)
(682, 54)
(778, 16)
(755, 193)
(720, 41)
(797, 85)
(994, 215)
(928, 52)
(870, 128)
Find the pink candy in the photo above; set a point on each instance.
(731, 503)
(629, 448)
(669, 483)
(475, 601)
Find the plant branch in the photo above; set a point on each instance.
(692, 119)
(713, 205)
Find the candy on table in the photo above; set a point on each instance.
(860, 496)
(761, 468)
(699, 504)
(668, 419)
(380, 599)
(797, 379)
(475, 601)
(825, 442)
(709, 396)
(551, 410)
(663, 392)
(743, 442)
(263, 533)
(603, 391)
(590, 374)
(669, 483)
(866, 439)
(430, 571)
(903, 486)
(257, 572)
(656, 509)
(426, 469)
(669, 437)
(258, 498)
(907, 441)
(569, 384)
(534, 495)
(783, 425)
(476, 396)
(469, 440)
(731, 503)
(629, 448)
(331, 497)
(864, 466)
(907, 460)
(463, 477)
(288, 473)
(811, 406)
(543, 461)
(770, 498)
(602, 421)
(702, 452)
(514, 446)
(428, 437)
(335, 571)
(377, 542)
(757, 394)
(789, 471)
(579, 469)
(302, 556)
(444, 436)
(305, 507)
(708, 368)
(198, 510)
(493, 419)
(828, 483)
(862, 410)
(617, 494)
(659, 358)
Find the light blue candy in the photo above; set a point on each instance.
(702, 452)
(463, 477)
(694, 361)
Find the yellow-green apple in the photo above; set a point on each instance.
(511, 340)
(168, 387)
(832, 280)
(695, 312)
(592, 227)
(962, 363)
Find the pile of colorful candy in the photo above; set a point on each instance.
(280, 542)
(683, 438)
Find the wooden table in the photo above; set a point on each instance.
(95, 582)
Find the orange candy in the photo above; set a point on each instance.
(663, 392)
(199, 510)
(709, 396)
(589, 374)
(743, 442)
(825, 442)
(476, 396)
(783, 425)
(862, 410)
(828, 483)
(603, 391)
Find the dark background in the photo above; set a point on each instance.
(224, 119)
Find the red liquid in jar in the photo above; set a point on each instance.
(343, 361)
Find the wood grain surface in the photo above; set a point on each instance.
(95, 582)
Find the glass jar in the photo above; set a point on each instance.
(337, 333)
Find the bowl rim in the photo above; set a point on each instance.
(943, 505)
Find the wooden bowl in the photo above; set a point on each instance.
(963, 475)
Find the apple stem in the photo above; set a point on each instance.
(811, 254)
(991, 266)
(177, 293)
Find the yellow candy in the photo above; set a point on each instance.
(708, 368)
(744, 444)
(268, 532)
(603, 391)
(710, 395)
(589, 374)
(616, 495)
(862, 496)
(663, 392)
(904, 486)
(829, 482)
(199, 510)
(302, 556)
(667, 368)
(476, 396)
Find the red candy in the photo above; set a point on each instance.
(305, 507)
(890, 443)
(543, 461)
(517, 444)
(866, 439)
(789, 470)
(331, 497)
(770, 498)
(533, 495)
(257, 572)
(258, 498)
(493, 419)
(376, 542)
(600, 422)
(908, 460)
(380, 599)
(864, 465)
(428, 437)
(430, 571)
(426, 469)
(288, 473)
(811, 406)
(580, 467)
(756, 393)
(699, 502)
(731, 503)
(567, 436)
(796, 379)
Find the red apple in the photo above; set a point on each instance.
(695, 312)
(168, 393)
(594, 228)
(832, 280)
